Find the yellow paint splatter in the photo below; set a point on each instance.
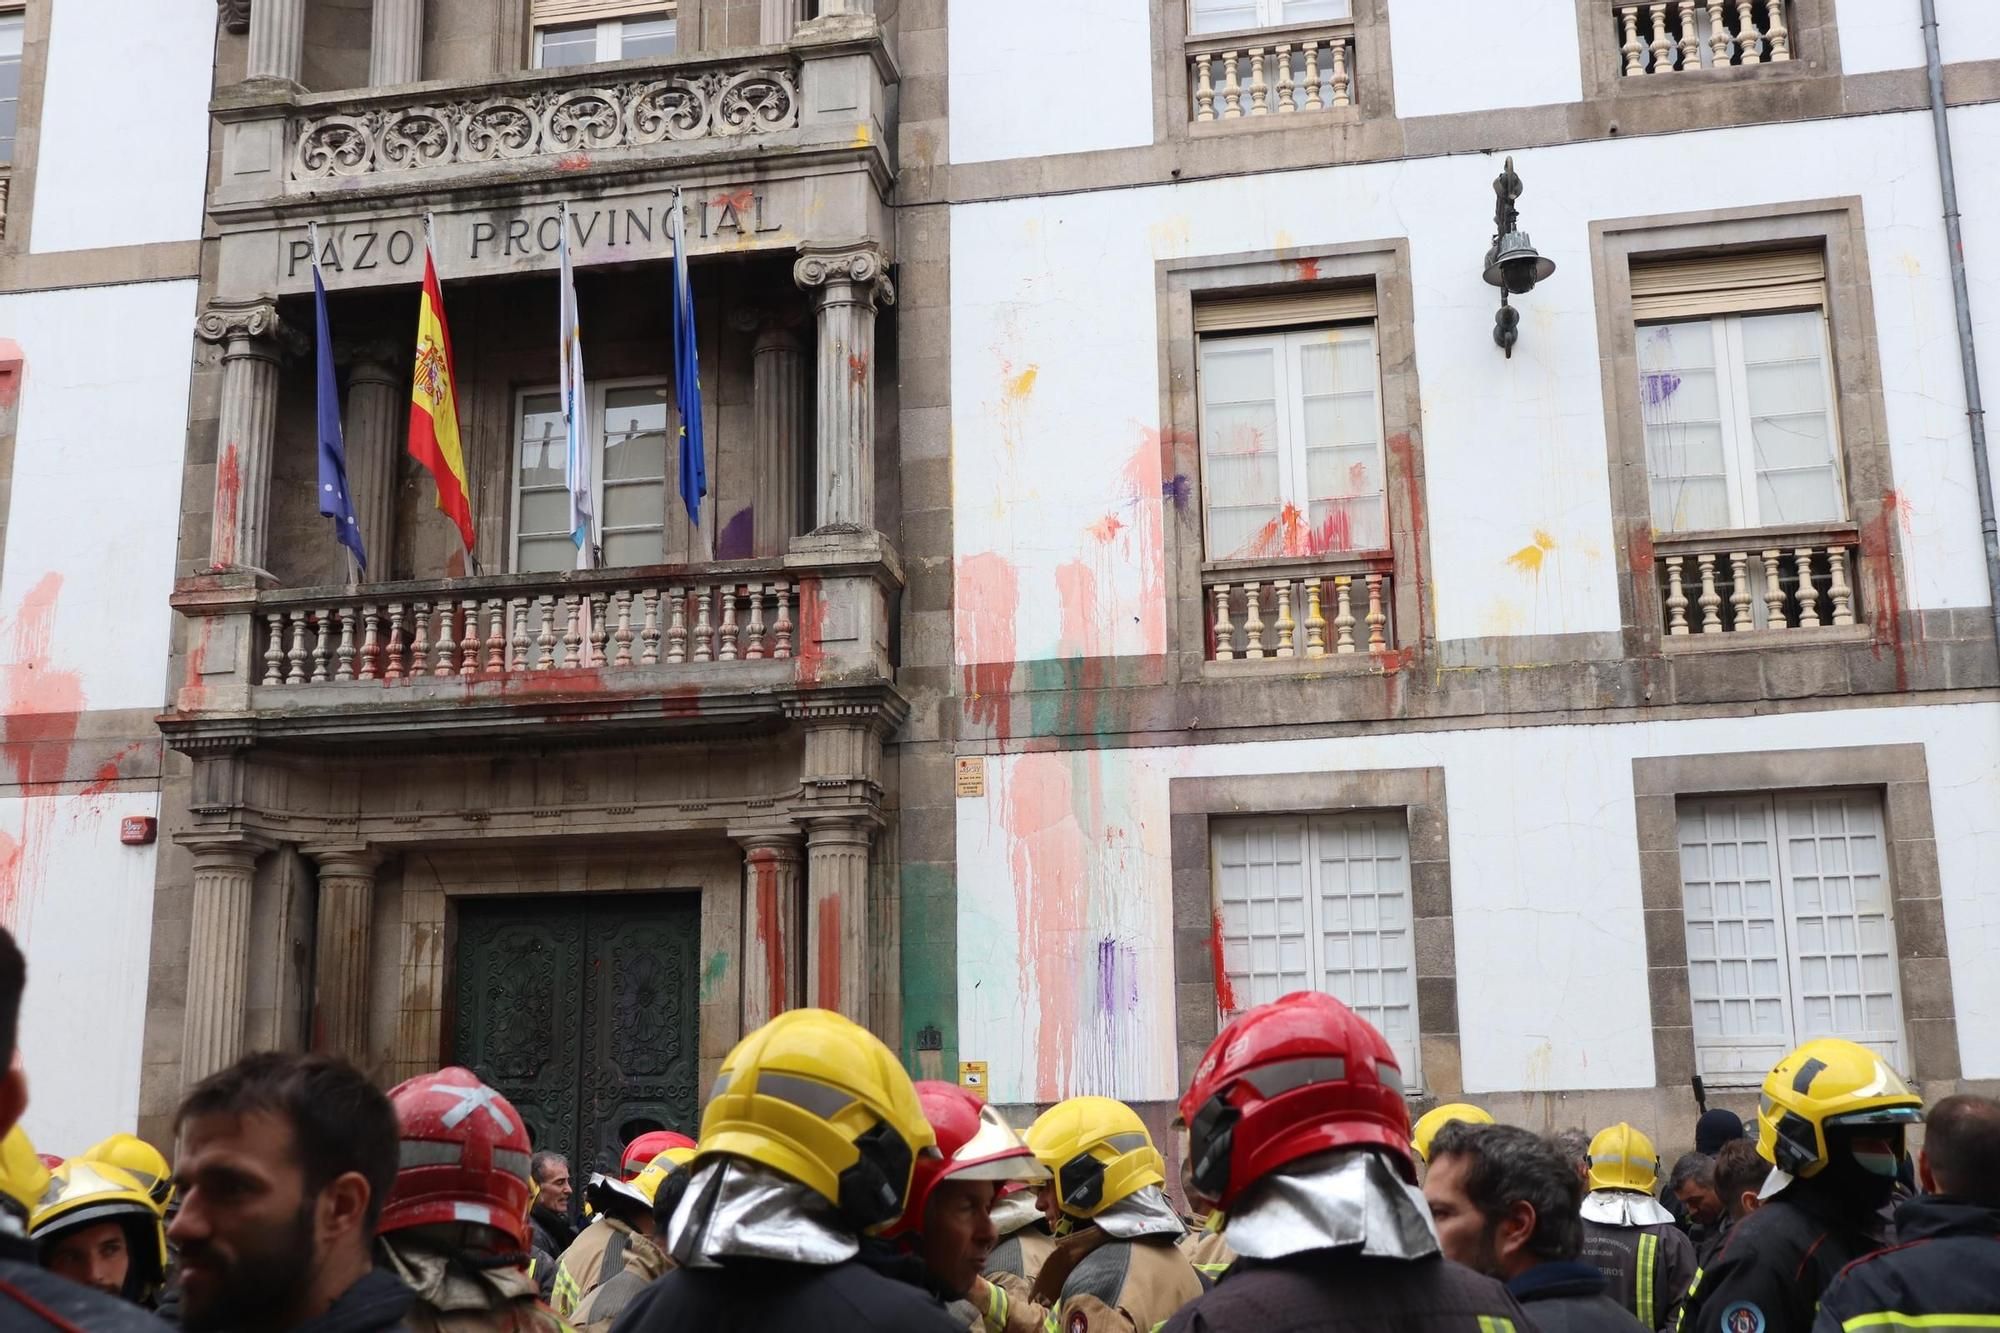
(1019, 387)
(1528, 560)
(861, 136)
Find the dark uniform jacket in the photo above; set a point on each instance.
(1947, 1265)
(1647, 1268)
(32, 1298)
(763, 1296)
(1571, 1298)
(375, 1304)
(1769, 1273)
(1334, 1291)
(552, 1231)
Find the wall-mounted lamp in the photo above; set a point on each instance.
(1512, 263)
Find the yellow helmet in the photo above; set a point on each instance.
(1099, 1152)
(24, 1176)
(1827, 1084)
(139, 1160)
(1621, 1158)
(659, 1169)
(82, 1193)
(817, 1097)
(1435, 1119)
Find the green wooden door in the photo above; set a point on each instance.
(581, 1011)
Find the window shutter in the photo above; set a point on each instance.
(1366, 938)
(1284, 310)
(1735, 946)
(1843, 947)
(1728, 284)
(550, 13)
(1260, 882)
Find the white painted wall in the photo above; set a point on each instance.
(1063, 287)
(1471, 55)
(1067, 862)
(1036, 77)
(1889, 36)
(124, 162)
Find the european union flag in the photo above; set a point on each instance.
(335, 500)
(687, 389)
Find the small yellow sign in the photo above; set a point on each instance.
(972, 1076)
(972, 776)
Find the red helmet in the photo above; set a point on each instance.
(464, 1157)
(1287, 1079)
(640, 1152)
(973, 1143)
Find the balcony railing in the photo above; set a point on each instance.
(1278, 72)
(588, 109)
(1337, 609)
(1685, 36)
(1748, 582)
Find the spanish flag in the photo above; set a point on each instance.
(434, 406)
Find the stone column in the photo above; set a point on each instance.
(277, 40)
(377, 406)
(778, 20)
(837, 911)
(218, 955)
(772, 922)
(341, 949)
(252, 338)
(835, 8)
(778, 417)
(395, 43)
(850, 279)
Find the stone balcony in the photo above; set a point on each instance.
(735, 647)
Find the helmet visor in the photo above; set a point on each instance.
(995, 1152)
(1877, 1115)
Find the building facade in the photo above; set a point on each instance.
(1141, 584)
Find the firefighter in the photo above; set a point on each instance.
(629, 1264)
(98, 1226)
(644, 1150)
(620, 1234)
(1631, 1238)
(948, 1218)
(1298, 1131)
(1942, 1274)
(141, 1161)
(808, 1145)
(455, 1227)
(1435, 1119)
(1831, 1123)
(1025, 1243)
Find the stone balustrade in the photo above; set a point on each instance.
(1758, 581)
(1278, 611)
(1272, 73)
(5, 177)
(1684, 36)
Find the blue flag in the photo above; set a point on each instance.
(335, 500)
(687, 390)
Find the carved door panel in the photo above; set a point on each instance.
(639, 1023)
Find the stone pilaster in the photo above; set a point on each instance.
(837, 971)
(850, 279)
(778, 422)
(377, 406)
(252, 339)
(396, 43)
(778, 19)
(218, 955)
(341, 940)
(772, 924)
(840, 8)
(277, 40)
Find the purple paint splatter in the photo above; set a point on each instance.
(1657, 386)
(733, 542)
(1178, 489)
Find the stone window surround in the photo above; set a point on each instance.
(1385, 265)
(1815, 43)
(1173, 107)
(1418, 793)
(1836, 224)
(1899, 773)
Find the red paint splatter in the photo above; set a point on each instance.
(1106, 528)
(1143, 471)
(1878, 559)
(857, 368)
(41, 708)
(1047, 863)
(228, 499)
(1639, 551)
(988, 597)
(770, 929)
(12, 363)
(573, 162)
(1225, 993)
(829, 953)
(1405, 456)
(110, 770)
(454, 565)
(1289, 534)
(809, 643)
(741, 200)
(1308, 269)
(1082, 630)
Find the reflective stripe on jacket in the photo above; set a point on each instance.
(1944, 1276)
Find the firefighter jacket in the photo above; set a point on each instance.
(1207, 1250)
(770, 1296)
(454, 1296)
(631, 1262)
(1648, 1268)
(1095, 1282)
(1020, 1255)
(598, 1253)
(1342, 1291)
(1943, 1274)
(1770, 1272)
(1565, 1297)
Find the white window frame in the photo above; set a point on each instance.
(1293, 469)
(1270, 14)
(1739, 452)
(1230, 854)
(600, 428)
(1784, 821)
(610, 34)
(17, 19)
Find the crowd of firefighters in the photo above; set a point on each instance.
(828, 1191)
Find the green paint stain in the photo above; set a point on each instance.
(711, 976)
(929, 930)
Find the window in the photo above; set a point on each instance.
(1291, 430)
(588, 32)
(11, 29)
(1234, 15)
(1736, 392)
(1789, 930)
(1321, 902)
(629, 463)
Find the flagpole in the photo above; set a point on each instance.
(471, 499)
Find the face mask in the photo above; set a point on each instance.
(1878, 1157)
